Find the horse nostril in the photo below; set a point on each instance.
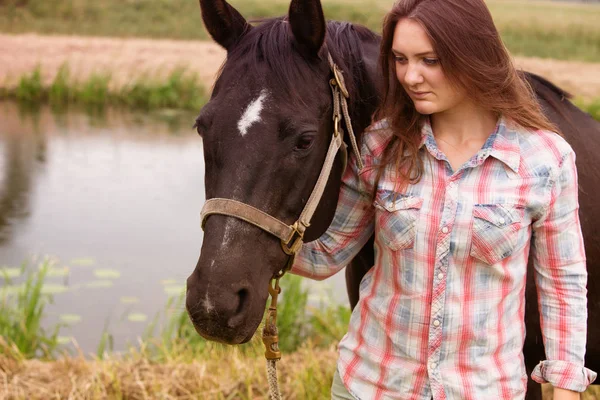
(241, 310)
(243, 295)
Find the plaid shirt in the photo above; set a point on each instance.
(441, 313)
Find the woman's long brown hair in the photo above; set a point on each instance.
(471, 55)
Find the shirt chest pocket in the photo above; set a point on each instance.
(495, 231)
(397, 220)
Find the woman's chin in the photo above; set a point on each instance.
(425, 107)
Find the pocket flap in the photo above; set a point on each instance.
(392, 201)
(497, 214)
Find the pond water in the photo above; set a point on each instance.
(113, 199)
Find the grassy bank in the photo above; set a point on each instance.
(178, 90)
(567, 31)
(170, 361)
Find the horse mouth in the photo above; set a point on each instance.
(213, 330)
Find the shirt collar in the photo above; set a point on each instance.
(503, 144)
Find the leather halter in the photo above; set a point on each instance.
(291, 236)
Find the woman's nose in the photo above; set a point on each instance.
(413, 75)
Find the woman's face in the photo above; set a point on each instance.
(419, 71)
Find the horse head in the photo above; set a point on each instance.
(265, 131)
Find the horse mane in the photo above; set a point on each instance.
(529, 76)
(271, 41)
(551, 95)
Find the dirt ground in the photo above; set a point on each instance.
(127, 59)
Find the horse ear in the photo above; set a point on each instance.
(224, 23)
(308, 25)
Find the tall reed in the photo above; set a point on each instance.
(21, 315)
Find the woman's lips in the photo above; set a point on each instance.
(419, 95)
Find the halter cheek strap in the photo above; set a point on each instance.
(291, 236)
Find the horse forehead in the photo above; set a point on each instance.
(252, 113)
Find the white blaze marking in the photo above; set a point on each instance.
(208, 305)
(252, 113)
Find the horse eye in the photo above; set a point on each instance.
(305, 142)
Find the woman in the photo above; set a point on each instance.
(461, 169)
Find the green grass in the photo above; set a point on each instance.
(179, 90)
(170, 333)
(532, 28)
(591, 107)
(21, 315)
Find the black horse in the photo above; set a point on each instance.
(265, 133)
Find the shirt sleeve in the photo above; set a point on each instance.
(351, 228)
(561, 279)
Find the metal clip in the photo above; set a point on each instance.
(270, 337)
(272, 351)
(295, 240)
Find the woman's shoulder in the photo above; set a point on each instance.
(541, 146)
(376, 138)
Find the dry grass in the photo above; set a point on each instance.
(231, 374)
(546, 29)
(227, 374)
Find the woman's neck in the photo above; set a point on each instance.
(463, 124)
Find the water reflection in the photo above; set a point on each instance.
(21, 154)
(115, 199)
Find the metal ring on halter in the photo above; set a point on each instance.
(295, 240)
(336, 125)
(340, 80)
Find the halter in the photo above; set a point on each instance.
(291, 236)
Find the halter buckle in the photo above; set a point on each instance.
(336, 125)
(339, 78)
(295, 240)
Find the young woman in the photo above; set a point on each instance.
(464, 177)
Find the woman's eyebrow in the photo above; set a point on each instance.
(397, 52)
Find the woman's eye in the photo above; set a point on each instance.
(400, 59)
(305, 142)
(431, 61)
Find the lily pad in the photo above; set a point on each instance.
(174, 290)
(137, 317)
(51, 288)
(62, 271)
(70, 318)
(64, 339)
(10, 272)
(83, 262)
(129, 300)
(99, 284)
(11, 290)
(107, 273)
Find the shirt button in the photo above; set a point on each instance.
(440, 276)
(433, 365)
(501, 220)
(445, 229)
(436, 323)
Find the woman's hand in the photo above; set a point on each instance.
(564, 394)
